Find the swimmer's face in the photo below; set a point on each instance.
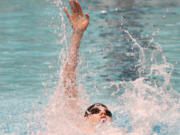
(99, 114)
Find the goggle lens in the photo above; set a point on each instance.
(96, 111)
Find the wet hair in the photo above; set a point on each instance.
(88, 111)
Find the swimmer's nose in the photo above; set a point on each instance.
(103, 114)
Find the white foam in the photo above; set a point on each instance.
(146, 102)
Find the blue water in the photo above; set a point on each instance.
(129, 54)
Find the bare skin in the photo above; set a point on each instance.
(79, 23)
(100, 118)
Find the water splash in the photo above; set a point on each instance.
(147, 105)
(150, 101)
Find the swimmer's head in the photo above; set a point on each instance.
(98, 113)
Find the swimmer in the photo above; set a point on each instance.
(96, 113)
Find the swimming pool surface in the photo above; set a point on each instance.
(129, 59)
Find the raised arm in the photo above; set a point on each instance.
(79, 23)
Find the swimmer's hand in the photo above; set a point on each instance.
(78, 21)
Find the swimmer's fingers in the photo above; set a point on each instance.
(78, 8)
(67, 13)
(75, 7)
(71, 3)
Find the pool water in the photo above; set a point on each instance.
(129, 59)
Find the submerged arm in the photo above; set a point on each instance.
(79, 24)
